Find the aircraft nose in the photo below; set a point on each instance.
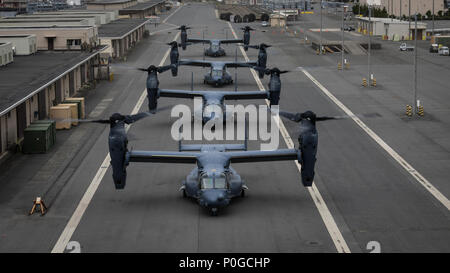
(214, 198)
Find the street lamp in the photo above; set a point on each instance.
(321, 26)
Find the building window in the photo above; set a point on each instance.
(73, 42)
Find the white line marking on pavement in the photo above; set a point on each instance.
(330, 224)
(68, 231)
(414, 173)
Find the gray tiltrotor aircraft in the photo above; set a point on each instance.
(213, 183)
(214, 49)
(218, 75)
(213, 104)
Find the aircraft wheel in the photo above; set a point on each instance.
(214, 211)
(242, 193)
(231, 81)
(184, 193)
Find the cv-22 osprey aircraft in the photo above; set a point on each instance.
(213, 100)
(218, 68)
(213, 183)
(210, 97)
(218, 75)
(214, 49)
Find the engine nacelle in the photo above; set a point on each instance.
(174, 58)
(183, 38)
(274, 97)
(117, 151)
(308, 146)
(152, 95)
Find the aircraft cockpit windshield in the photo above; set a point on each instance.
(215, 46)
(216, 73)
(213, 182)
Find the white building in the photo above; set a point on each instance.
(6, 53)
(22, 44)
(401, 7)
(391, 29)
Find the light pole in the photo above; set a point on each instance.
(369, 48)
(409, 20)
(321, 26)
(401, 15)
(432, 29)
(415, 66)
(342, 47)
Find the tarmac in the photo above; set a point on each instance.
(367, 193)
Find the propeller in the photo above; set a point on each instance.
(309, 115)
(159, 69)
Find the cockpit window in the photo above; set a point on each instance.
(220, 183)
(213, 183)
(216, 73)
(215, 47)
(207, 183)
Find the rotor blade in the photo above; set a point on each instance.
(139, 116)
(291, 116)
(369, 115)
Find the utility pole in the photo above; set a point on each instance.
(409, 21)
(369, 48)
(342, 49)
(432, 29)
(401, 15)
(321, 26)
(415, 66)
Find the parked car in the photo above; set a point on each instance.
(434, 48)
(349, 28)
(405, 47)
(443, 51)
(264, 24)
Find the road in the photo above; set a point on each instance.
(368, 194)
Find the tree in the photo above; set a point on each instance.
(428, 14)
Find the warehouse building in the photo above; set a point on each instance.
(401, 7)
(110, 4)
(143, 10)
(56, 37)
(6, 53)
(40, 81)
(18, 22)
(21, 44)
(105, 16)
(391, 29)
(121, 35)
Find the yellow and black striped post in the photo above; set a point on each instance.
(364, 82)
(374, 82)
(339, 66)
(347, 65)
(420, 111)
(409, 110)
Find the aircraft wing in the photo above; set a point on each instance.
(259, 156)
(240, 64)
(245, 95)
(196, 41)
(172, 93)
(194, 63)
(162, 157)
(231, 41)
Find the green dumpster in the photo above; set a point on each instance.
(37, 139)
(53, 127)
